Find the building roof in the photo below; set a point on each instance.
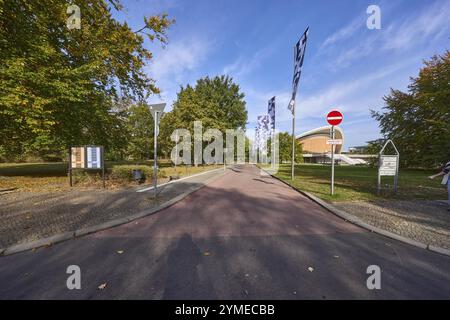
(339, 134)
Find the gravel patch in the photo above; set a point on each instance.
(425, 221)
(30, 216)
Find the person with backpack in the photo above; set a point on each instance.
(445, 172)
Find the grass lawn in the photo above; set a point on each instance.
(360, 183)
(53, 176)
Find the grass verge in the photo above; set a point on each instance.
(354, 183)
(53, 176)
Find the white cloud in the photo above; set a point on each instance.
(354, 97)
(178, 58)
(348, 95)
(244, 66)
(174, 65)
(414, 31)
(343, 33)
(418, 29)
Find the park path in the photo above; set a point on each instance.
(244, 236)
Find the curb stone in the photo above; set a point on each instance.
(352, 219)
(17, 248)
(439, 250)
(38, 243)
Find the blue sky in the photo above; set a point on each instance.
(347, 66)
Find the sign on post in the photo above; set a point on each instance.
(388, 166)
(86, 158)
(334, 118)
(334, 141)
(157, 112)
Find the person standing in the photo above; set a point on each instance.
(445, 172)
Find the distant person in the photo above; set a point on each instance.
(445, 180)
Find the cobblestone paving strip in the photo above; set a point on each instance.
(30, 216)
(424, 221)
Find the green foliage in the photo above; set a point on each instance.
(217, 102)
(285, 148)
(140, 126)
(417, 121)
(59, 87)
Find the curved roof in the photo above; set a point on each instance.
(314, 141)
(322, 131)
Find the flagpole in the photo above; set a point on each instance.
(293, 142)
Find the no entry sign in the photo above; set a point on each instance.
(334, 118)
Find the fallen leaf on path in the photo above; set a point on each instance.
(102, 286)
(206, 253)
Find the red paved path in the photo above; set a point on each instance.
(242, 237)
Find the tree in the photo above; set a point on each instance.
(217, 102)
(140, 125)
(59, 87)
(285, 148)
(417, 121)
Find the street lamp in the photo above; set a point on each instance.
(157, 112)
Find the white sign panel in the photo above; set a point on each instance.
(334, 141)
(388, 165)
(94, 158)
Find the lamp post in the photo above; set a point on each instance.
(156, 111)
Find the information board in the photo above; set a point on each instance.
(86, 158)
(388, 165)
(77, 157)
(94, 160)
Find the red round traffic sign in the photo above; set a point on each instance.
(334, 117)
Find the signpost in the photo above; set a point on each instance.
(334, 118)
(86, 158)
(157, 112)
(388, 166)
(225, 151)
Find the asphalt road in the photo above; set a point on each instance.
(244, 236)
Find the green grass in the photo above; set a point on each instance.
(360, 183)
(52, 176)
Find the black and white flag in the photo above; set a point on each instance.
(263, 131)
(299, 54)
(271, 112)
(263, 122)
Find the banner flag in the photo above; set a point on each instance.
(263, 122)
(271, 112)
(299, 54)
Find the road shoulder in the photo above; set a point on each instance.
(343, 212)
(78, 214)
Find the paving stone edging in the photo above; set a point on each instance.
(103, 226)
(352, 219)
